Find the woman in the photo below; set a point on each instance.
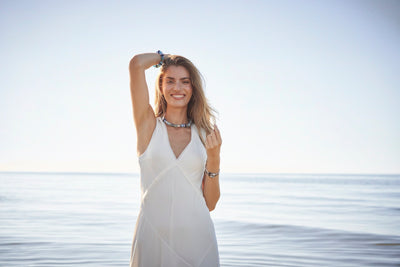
(179, 158)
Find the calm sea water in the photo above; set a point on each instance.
(61, 219)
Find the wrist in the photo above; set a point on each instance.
(212, 165)
(211, 174)
(161, 60)
(213, 158)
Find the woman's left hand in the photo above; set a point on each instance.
(213, 143)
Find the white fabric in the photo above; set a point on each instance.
(174, 227)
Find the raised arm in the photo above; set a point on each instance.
(143, 113)
(139, 91)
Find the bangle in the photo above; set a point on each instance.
(162, 59)
(211, 174)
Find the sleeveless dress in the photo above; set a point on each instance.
(174, 227)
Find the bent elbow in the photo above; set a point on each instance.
(134, 63)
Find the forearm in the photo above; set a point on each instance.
(144, 61)
(211, 189)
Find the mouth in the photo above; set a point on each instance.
(178, 96)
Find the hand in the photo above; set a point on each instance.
(213, 143)
(166, 57)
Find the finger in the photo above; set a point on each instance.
(218, 134)
(207, 145)
(214, 139)
(208, 141)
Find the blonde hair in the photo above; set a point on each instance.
(198, 110)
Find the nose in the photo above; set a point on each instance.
(178, 86)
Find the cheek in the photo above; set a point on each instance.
(190, 90)
(165, 87)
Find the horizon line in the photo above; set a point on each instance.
(229, 173)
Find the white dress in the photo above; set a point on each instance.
(174, 227)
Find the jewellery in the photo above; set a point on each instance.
(211, 174)
(183, 125)
(162, 59)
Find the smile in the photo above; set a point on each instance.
(178, 96)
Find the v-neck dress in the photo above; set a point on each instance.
(174, 227)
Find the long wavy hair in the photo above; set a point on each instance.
(198, 110)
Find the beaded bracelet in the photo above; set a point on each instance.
(162, 59)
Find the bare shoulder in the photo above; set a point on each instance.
(144, 129)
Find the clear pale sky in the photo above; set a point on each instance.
(300, 86)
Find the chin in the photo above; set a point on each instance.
(177, 103)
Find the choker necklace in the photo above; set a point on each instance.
(183, 125)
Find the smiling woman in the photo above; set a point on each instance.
(176, 87)
(179, 157)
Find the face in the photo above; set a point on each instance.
(176, 86)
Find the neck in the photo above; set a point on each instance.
(176, 116)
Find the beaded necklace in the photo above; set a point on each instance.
(183, 125)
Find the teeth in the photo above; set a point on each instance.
(178, 96)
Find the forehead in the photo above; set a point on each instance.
(177, 72)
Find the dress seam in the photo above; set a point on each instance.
(155, 181)
(165, 242)
(205, 254)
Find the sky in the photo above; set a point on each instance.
(299, 86)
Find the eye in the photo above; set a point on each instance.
(170, 81)
(186, 82)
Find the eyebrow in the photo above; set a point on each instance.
(184, 78)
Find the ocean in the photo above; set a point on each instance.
(88, 219)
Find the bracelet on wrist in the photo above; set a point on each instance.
(162, 59)
(211, 174)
